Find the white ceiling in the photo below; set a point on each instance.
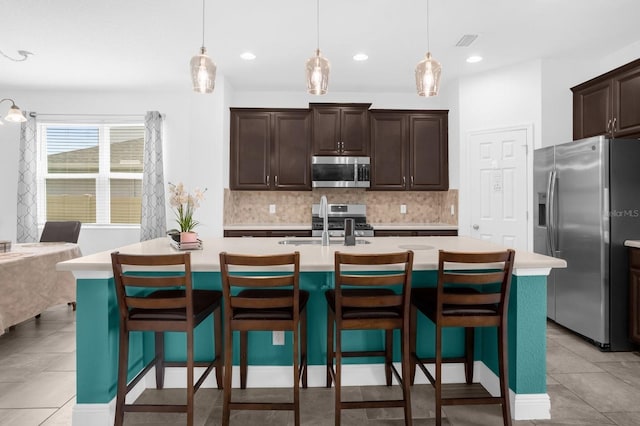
(147, 44)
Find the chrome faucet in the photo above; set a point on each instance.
(324, 214)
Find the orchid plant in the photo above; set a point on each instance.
(185, 205)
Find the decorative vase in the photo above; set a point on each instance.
(188, 237)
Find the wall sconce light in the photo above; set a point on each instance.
(14, 115)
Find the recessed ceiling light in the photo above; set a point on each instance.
(473, 59)
(248, 56)
(360, 57)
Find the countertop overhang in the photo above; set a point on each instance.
(316, 258)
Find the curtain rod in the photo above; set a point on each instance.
(39, 114)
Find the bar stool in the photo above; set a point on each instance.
(371, 305)
(176, 306)
(472, 291)
(269, 299)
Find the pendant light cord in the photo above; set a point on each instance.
(318, 23)
(428, 44)
(202, 23)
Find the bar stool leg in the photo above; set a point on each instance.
(244, 337)
(217, 331)
(330, 348)
(469, 333)
(303, 350)
(296, 378)
(406, 372)
(190, 390)
(438, 376)
(338, 376)
(413, 336)
(388, 357)
(228, 369)
(159, 346)
(504, 374)
(123, 361)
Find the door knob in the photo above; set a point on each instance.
(476, 227)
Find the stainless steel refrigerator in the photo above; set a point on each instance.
(587, 203)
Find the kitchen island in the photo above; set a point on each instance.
(97, 322)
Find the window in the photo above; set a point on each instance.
(90, 172)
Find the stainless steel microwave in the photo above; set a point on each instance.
(340, 172)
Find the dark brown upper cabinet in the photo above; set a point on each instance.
(270, 149)
(340, 129)
(608, 104)
(409, 150)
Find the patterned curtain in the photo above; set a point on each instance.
(27, 221)
(154, 221)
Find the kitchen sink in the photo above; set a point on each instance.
(333, 242)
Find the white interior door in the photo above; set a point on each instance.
(498, 174)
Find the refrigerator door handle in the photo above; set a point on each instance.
(551, 225)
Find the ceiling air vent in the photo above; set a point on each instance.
(466, 40)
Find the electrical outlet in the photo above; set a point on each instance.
(403, 209)
(278, 338)
(272, 209)
(453, 210)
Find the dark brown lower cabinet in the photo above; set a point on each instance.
(415, 233)
(634, 294)
(279, 233)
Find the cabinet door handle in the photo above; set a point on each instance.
(609, 126)
(411, 181)
(404, 182)
(276, 180)
(268, 184)
(613, 127)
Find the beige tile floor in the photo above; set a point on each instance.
(37, 387)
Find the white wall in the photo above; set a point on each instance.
(195, 137)
(498, 99)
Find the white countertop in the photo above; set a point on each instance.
(317, 257)
(632, 243)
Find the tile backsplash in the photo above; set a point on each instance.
(294, 207)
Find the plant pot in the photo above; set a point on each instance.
(188, 237)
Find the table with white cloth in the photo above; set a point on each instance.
(29, 282)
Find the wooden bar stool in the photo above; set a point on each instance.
(365, 302)
(173, 305)
(269, 299)
(472, 291)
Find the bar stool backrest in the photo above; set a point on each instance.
(388, 270)
(154, 272)
(489, 273)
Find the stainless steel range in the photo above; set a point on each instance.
(337, 215)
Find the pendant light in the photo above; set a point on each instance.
(428, 70)
(14, 115)
(203, 70)
(317, 67)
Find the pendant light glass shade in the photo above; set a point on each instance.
(428, 73)
(203, 72)
(317, 72)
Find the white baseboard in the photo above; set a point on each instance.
(523, 406)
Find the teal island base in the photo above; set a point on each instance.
(270, 365)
